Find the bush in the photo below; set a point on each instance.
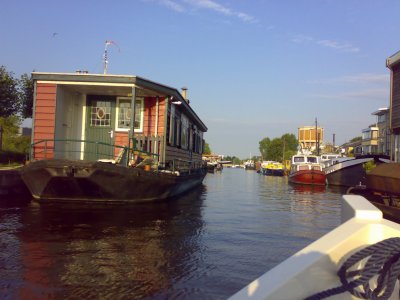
(10, 157)
(369, 165)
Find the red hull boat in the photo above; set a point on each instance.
(313, 177)
(306, 169)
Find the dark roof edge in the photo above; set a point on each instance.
(393, 60)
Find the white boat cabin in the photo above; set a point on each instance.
(305, 162)
(328, 159)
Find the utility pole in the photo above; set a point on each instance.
(333, 142)
(316, 136)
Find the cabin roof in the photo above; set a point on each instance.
(111, 84)
(393, 60)
(381, 111)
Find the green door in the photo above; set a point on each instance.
(100, 126)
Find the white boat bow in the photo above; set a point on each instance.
(314, 269)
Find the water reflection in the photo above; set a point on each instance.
(308, 189)
(206, 244)
(104, 251)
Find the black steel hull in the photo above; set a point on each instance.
(347, 173)
(63, 180)
(274, 172)
(351, 176)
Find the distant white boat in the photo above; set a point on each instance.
(314, 269)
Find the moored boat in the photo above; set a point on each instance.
(121, 138)
(273, 168)
(249, 165)
(306, 169)
(314, 269)
(346, 171)
(350, 171)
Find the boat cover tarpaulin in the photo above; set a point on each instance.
(385, 178)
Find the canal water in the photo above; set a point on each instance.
(207, 244)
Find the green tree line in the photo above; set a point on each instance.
(16, 102)
(278, 149)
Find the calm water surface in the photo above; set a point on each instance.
(207, 244)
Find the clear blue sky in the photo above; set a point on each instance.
(253, 68)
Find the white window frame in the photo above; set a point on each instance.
(140, 129)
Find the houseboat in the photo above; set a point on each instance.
(121, 138)
(306, 169)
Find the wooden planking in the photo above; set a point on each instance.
(176, 153)
(149, 119)
(42, 122)
(45, 88)
(121, 138)
(44, 118)
(396, 99)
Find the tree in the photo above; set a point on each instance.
(263, 147)
(9, 95)
(207, 149)
(26, 95)
(356, 139)
(235, 160)
(279, 149)
(11, 141)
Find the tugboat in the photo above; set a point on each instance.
(306, 169)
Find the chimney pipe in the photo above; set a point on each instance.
(184, 89)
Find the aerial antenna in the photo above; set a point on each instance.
(105, 56)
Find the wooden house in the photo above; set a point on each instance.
(81, 116)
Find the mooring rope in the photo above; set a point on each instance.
(383, 261)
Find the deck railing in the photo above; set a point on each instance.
(94, 150)
(143, 147)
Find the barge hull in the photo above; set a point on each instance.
(61, 180)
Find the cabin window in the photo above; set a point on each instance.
(185, 132)
(298, 159)
(312, 159)
(171, 125)
(124, 113)
(201, 142)
(100, 114)
(177, 128)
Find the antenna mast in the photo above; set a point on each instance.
(105, 55)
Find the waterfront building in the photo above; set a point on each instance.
(310, 137)
(382, 122)
(393, 63)
(369, 142)
(351, 148)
